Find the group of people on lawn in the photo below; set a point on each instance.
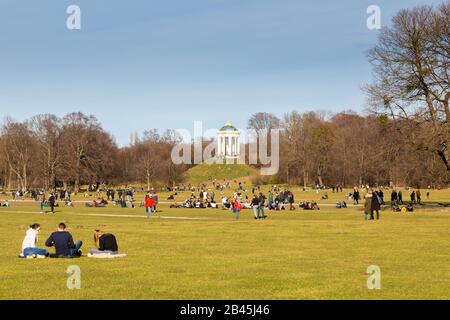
(276, 200)
(65, 247)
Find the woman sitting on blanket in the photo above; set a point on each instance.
(105, 242)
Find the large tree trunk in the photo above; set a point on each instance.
(25, 178)
(319, 177)
(443, 154)
(77, 176)
(305, 179)
(9, 179)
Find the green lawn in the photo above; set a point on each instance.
(299, 255)
(204, 173)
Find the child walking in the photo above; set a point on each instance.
(149, 205)
(237, 208)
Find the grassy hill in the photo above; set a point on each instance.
(204, 172)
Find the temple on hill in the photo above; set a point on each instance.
(228, 142)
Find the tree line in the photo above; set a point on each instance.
(316, 148)
(50, 152)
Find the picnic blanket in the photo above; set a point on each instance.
(106, 255)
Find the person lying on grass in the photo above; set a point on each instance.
(105, 243)
(4, 204)
(62, 240)
(29, 249)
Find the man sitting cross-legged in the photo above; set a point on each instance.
(63, 243)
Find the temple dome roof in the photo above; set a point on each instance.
(228, 127)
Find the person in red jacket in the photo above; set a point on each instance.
(149, 205)
(237, 208)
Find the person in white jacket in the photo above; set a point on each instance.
(29, 249)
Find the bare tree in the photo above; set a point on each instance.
(46, 129)
(79, 131)
(18, 148)
(263, 121)
(411, 67)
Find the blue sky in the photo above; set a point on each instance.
(143, 64)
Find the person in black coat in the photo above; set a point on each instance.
(356, 196)
(376, 206)
(51, 202)
(413, 197)
(394, 198)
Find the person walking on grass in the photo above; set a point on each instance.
(41, 202)
(291, 201)
(355, 196)
(394, 198)
(413, 198)
(51, 202)
(270, 201)
(149, 203)
(368, 205)
(155, 201)
(261, 205)
(237, 208)
(255, 206)
(419, 197)
(376, 206)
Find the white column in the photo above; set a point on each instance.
(225, 145)
(218, 147)
(232, 146)
(238, 146)
(229, 146)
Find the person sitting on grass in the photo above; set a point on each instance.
(105, 243)
(341, 205)
(63, 243)
(226, 205)
(310, 206)
(29, 249)
(68, 203)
